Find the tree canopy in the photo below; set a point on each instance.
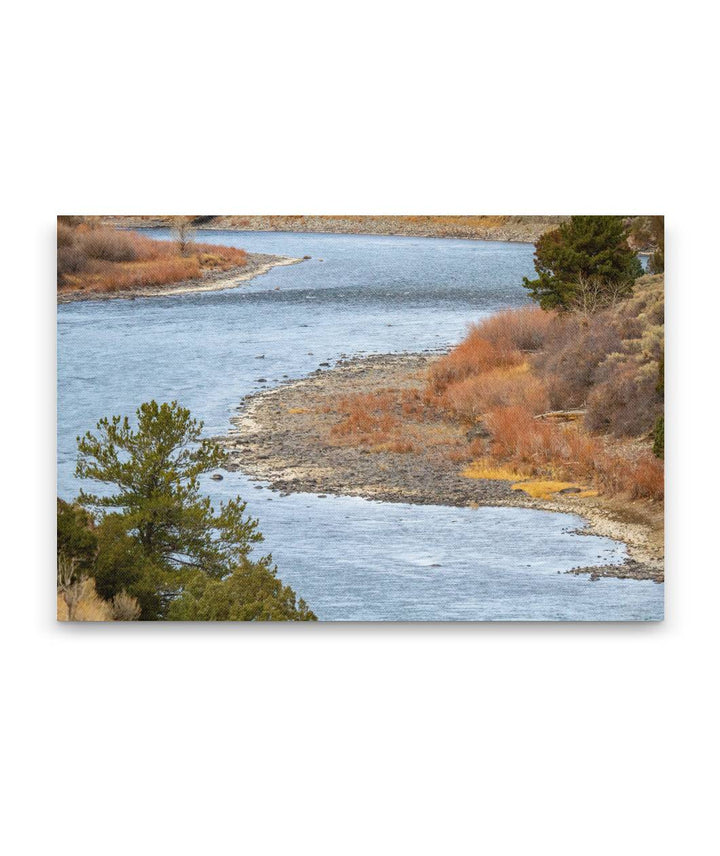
(155, 536)
(585, 252)
(252, 592)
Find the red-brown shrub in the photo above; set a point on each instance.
(366, 417)
(471, 357)
(476, 395)
(525, 329)
(102, 258)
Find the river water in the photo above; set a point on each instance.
(351, 559)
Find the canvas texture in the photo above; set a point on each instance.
(398, 419)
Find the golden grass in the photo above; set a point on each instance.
(540, 489)
(90, 607)
(297, 410)
(485, 469)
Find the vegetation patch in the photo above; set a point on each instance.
(96, 258)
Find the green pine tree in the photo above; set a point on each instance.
(158, 538)
(584, 252)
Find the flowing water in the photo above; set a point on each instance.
(351, 559)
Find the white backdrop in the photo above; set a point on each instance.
(498, 739)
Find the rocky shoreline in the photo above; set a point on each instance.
(514, 229)
(257, 264)
(282, 436)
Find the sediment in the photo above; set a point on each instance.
(283, 436)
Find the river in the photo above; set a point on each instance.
(350, 558)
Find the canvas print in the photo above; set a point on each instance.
(345, 418)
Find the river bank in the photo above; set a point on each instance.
(257, 265)
(513, 229)
(284, 436)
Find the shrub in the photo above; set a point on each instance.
(525, 329)
(625, 401)
(110, 245)
(478, 394)
(104, 259)
(569, 362)
(367, 418)
(471, 357)
(88, 607)
(125, 607)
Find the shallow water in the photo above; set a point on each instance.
(351, 559)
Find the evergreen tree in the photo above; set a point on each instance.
(76, 540)
(158, 538)
(583, 250)
(155, 471)
(252, 592)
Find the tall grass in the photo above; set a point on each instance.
(104, 259)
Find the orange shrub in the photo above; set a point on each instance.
(549, 448)
(367, 418)
(103, 258)
(525, 329)
(478, 394)
(471, 357)
(115, 277)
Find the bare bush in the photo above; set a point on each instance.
(184, 233)
(125, 607)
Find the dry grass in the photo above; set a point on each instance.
(104, 259)
(489, 469)
(90, 606)
(525, 329)
(506, 387)
(367, 419)
(473, 356)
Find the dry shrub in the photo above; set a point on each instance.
(525, 329)
(648, 477)
(101, 258)
(567, 450)
(111, 245)
(625, 401)
(367, 418)
(476, 395)
(472, 356)
(90, 606)
(125, 607)
(572, 355)
(112, 277)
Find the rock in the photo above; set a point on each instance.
(570, 490)
(307, 257)
(260, 357)
(216, 477)
(261, 380)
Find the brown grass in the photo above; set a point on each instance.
(90, 606)
(104, 259)
(473, 356)
(567, 450)
(525, 329)
(476, 395)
